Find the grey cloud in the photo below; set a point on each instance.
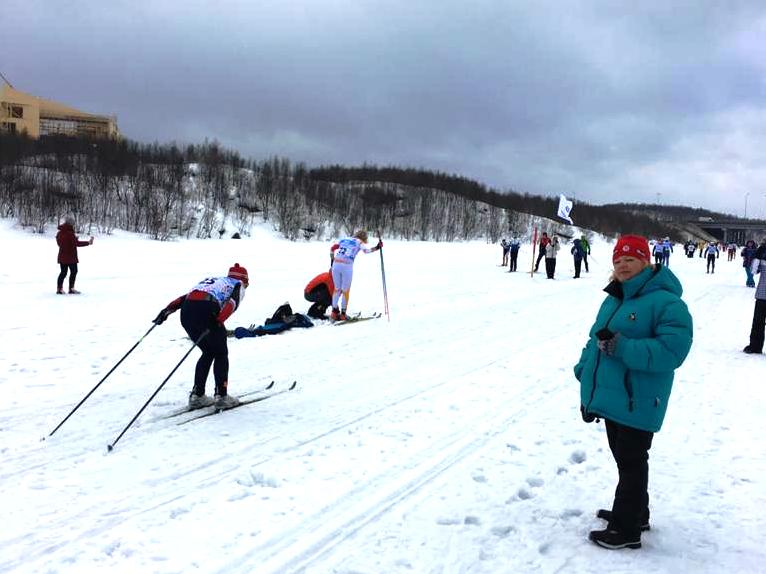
(590, 98)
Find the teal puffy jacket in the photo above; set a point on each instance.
(632, 386)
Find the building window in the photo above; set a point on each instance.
(16, 112)
(8, 127)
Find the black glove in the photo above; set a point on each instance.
(607, 341)
(160, 318)
(380, 244)
(586, 416)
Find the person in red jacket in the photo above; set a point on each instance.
(68, 244)
(319, 292)
(203, 311)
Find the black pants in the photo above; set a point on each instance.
(630, 448)
(585, 260)
(514, 260)
(759, 325)
(659, 258)
(539, 257)
(321, 298)
(550, 267)
(578, 265)
(710, 261)
(72, 268)
(196, 316)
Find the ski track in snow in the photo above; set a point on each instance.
(445, 440)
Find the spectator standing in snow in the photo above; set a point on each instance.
(551, 250)
(68, 243)
(544, 241)
(748, 254)
(205, 308)
(506, 248)
(579, 255)
(667, 249)
(343, 254)
(515, 245)
(759, 313)
(642, 333)
(585, 251)
(319, 292)
(732, 250)
(712, 254)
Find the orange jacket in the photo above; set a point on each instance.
(325, 278)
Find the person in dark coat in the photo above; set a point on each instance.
(759, 313)
(515, 246)
(68, 243)
(642, 334)
(578, 251)
(586, 251)
(203, 312)
(319, 292)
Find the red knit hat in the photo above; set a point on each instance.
(240, 273)
(633, 246)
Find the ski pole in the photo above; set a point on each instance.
(385, 291)
(154, 394)
(101, 381)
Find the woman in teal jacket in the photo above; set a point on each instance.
(642, 333)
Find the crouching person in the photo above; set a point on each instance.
(642, 333)
(319, 292)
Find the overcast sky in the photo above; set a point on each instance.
(601, 100)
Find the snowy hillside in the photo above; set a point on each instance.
(447, 440)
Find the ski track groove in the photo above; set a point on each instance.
(453, 342)
(109, 522)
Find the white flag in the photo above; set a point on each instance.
(565, 206)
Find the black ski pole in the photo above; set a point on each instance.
(66, 418)
(154, 394)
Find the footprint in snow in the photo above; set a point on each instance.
(535, 481)
(571, 513)
(502, 531)
(472, 520)
(578, 457)
(524, 494)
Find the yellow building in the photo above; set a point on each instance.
(23, 113)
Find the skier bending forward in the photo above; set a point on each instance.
(343, 254)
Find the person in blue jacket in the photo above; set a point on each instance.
(642, 333)
(748, 255)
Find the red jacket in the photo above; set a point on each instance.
(325, 278)
(68, 244)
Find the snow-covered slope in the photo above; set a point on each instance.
(447, 439)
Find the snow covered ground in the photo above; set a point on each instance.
(446, 440)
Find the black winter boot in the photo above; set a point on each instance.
(614, 540)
